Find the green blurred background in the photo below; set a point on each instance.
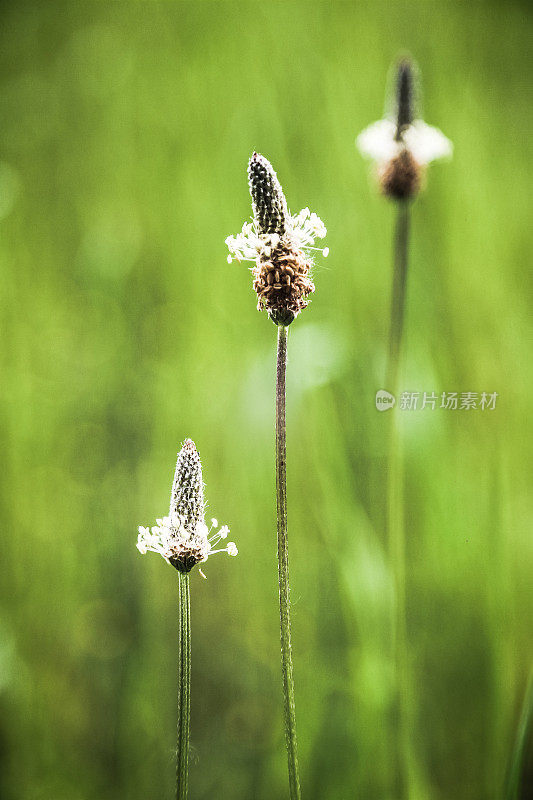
(124, 138)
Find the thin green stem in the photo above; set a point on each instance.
(396, 545)
(399, 283)
(184, 688)
(283, 567)
(394, 510)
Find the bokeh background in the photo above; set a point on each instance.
(124, 138)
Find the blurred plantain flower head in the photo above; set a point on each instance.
(402, 145)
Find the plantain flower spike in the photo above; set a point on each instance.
(278, 244)
(402, 145)
(183, 538)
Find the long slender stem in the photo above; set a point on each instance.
(395, 512)
(396, 545)
(184, 688)
(399, 283)
(283, 567)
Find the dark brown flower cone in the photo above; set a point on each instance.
(401, 177)
(282, 283)
(186, 559)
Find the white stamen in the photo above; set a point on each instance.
(301, 232)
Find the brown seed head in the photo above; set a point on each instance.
(282, 282)
(187, 558)
(401, 177)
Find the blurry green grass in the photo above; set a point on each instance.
(125, 133)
